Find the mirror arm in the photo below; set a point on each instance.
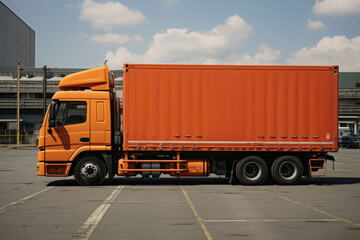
(51, 122)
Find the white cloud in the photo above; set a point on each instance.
(337, 50)
(139, 39)
(169, 3)
(183, 46)
(265, 55)
(121, 56)
(337, 7)
(109, 14)
(315, 25)
(111, 38)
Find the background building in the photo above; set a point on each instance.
(17, 40)
(31, 99)
(349, 101)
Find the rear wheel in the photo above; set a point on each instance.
(90, 171)
(251, 170)
(287, 170)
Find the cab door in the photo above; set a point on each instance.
(100, 122)
(71, 130)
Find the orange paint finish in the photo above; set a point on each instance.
(321, 167)
(100, 126)
(123, 168)
(63, 142)
(88, 148)
(194, 167)
(230, 108)
(41, 138)
(41, 156)
(53, 170)
(95, 79)
(57, 169)
(40, 169)
(76, 129)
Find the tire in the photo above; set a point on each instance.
(287, 170)
(251, 170)
(90, 171)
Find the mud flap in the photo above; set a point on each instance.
(109, 165)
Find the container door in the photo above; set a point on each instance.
(71, 130)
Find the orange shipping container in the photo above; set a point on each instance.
(230, 108)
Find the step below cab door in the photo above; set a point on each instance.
(70, 130)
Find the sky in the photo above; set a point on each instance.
(85, 33)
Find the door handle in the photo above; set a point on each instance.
(85, 139)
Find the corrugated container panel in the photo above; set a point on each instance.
(230, 108)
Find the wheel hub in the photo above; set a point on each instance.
(89, 170)
(252, 170)
(288, 170)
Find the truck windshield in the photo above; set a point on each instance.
(70, 112)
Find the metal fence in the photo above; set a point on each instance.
(9, 139)
(349, 92)
(349, 110)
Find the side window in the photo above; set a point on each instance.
(70, 112)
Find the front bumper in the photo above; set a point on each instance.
(40, 169)
(53, 169)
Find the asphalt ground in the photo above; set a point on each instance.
(33, 207)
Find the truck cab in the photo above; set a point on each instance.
(78, 122)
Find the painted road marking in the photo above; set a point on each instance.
(313, 208)
(3, 208)
(149, 201)
(272, 220)
(196, 213)
(90, 224)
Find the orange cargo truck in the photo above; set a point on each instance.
(248, 123)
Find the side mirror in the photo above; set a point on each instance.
(52, 115)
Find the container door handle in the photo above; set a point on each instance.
(85, 139)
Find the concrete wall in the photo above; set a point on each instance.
(349, 79)
(17, 40)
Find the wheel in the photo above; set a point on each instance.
(251, 170)
(90, 171)
(287, 170)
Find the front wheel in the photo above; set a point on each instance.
(287, 170)
(90, 171)
(251, 170)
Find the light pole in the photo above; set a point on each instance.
(44, 88)
(18, 106)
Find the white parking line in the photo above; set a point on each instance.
(272, 220)
(149, 201)
(90, 224)
(197, 216)
(3, 208)
(313, 208)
